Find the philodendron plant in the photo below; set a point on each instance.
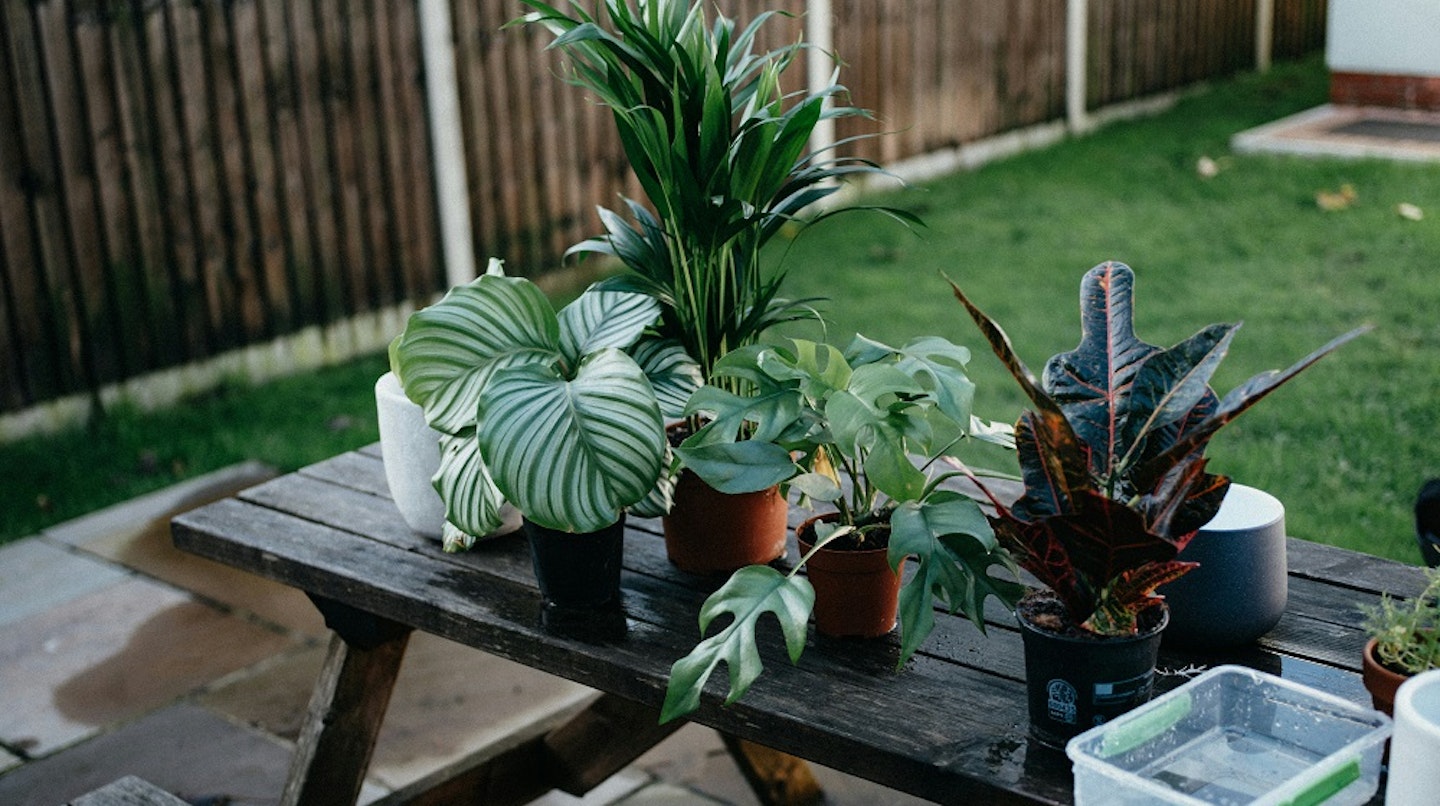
(1113, 454)
(844, 429)
(559, 414)
(720, 150)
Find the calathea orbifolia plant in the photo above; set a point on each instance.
(721, 151)
(559, 414)
(1113, 454)
(858, 431)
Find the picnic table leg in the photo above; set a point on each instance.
(346, 707)
(778, 779)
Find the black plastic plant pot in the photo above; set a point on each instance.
(577, 571)
(1076, 682)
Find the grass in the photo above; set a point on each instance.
(287, 423)
(1345, 446)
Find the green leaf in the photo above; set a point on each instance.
(449, 349)
(750, 593)
(571, 453)
(954, 548)
(472, 501)
(600, 319)
(739, 467)
(672, 372)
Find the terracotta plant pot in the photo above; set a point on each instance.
(1380, 681)
(856, 592)
(1076, 682)
(710, 532)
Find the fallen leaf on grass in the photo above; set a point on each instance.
(1409, 212)
(1332, 201)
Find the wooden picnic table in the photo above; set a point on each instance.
(951, 726)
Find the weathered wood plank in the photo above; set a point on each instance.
(342, 722)
(128, 791)
(776, 778)
(503, 617)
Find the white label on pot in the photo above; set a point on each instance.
(1124, 691)
(1061, 697)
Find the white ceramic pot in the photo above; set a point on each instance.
(411, 450)
(1415, 745)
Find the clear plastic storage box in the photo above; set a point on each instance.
(1233, 736)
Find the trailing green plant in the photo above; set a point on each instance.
(1407, 632)
(1113, 454)
(721, 151)
(844, 429)
(561, 414)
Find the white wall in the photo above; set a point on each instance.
(1388, 37)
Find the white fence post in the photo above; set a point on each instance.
(442, 93)
(1077, 16)
(1264, 34)
(820, 64)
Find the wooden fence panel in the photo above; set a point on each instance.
(940, 73)
(183, 177)
(1299, 27)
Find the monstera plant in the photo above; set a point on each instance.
(859, 432)
(561, 414)
(1113, 461)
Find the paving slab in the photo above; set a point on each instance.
(449, 701)
(134, 514)
(695, 760)
(112, 655)
(36, 575)
(616, 789)
(665, 794)
(1333, 130)
(183, 749)
(136, 535)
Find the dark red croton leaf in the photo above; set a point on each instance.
(1112, 457)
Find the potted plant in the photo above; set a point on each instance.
(1404, 641)
(844, 429)
(721, 151)
(1113, 462)
(559, 414)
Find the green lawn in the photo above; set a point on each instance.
(1345, 446)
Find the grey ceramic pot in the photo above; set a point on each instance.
(1238, 593)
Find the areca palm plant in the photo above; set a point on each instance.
(721, 151)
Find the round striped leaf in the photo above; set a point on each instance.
(599, 319)
(472, 502)
(450, 349)
(571, 453)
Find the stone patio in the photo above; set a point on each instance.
(120, 655)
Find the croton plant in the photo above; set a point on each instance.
(1112, 455)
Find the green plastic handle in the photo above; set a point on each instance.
(1141, 729)
(1323, 789)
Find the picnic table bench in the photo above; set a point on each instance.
(951, 726)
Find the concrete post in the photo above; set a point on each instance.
(442, 94)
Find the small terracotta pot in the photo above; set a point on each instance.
(710, 532)
(856, 592)
(1380, 681)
